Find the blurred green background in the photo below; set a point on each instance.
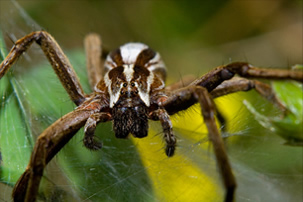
(192, 38)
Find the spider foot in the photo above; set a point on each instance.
(91, 143)
(170, 150)
(229, 197)
(89, 139)
(168, 135)
(169, 138)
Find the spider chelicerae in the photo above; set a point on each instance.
(129, 89)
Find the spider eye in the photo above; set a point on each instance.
(125, 84)
(122, 92)
(132, 84)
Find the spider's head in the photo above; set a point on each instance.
(130, 73)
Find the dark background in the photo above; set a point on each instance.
(192, 36)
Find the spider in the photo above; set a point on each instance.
(129, 89)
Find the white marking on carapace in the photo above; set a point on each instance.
(155, 59)
(108, 82)
(144, 95)
(155, 63)
(109, 64)
(113, 96)
(128, 72)
(130, 51)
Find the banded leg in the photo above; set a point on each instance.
(94, 62)
(47, 145)
(169, 137)
(56, 57)
(193, 94)
(89, 139)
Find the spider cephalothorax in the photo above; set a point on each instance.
(129, 90)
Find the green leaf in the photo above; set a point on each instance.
(289, 125)
(13, 127)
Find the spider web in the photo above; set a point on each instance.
(134, 169)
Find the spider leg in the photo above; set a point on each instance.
(56, 57)
(89, 139)
(185, 81)
(185, 98)
(215, 77)
(94, 61)
(242, 84)
(208, 111)
(169, 137)
(221, 119)
(47, 145)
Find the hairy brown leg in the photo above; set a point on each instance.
(185, 81)
(169, 137)
(237, 84)
(47, 145)
(89, 139)
(242, 84)
(56, 57)
(94, 61)
(215, 77)
(208, 112)
(190, 95)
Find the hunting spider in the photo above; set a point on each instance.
(129, 89)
